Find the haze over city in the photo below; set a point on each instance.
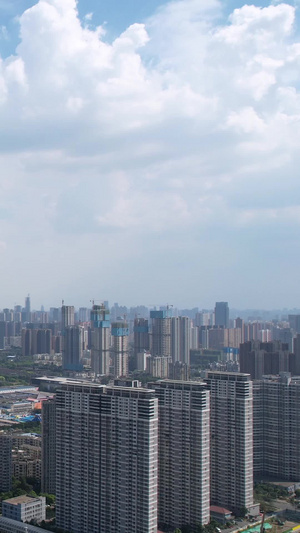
(149, 153)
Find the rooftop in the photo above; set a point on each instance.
(21, 499)
(220, 510)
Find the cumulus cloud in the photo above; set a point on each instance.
(160, 133)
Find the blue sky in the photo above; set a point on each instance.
(154, 159)
(116, 14)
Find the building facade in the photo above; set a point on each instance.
(141, 335)
(73, 348)
(106, 459)
(101, 339)
(161, 333)
(222, 314)
(158, 366)
(48, 474)
(184, 453)
(67, 316)
(231, 440)
(265, 358)
(5, 462)
(180, 339)
(25, 508)
(277, 428)
(119, 349)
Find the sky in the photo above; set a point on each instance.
(149, 152)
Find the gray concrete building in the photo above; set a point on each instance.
(119, 348)
(48, 447)
(184, 459)
(73, 348)
(277, 427)
(231, 430)
(180, 339)
(106, 459)
(161, 332)
(261, 358)
(101, 339)
(5, 462)
(222, 314)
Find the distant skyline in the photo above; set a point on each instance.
(149, 152)
(234, 312)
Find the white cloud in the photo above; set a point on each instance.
(159, 133)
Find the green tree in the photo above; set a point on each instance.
(50, 498)
(243, 511)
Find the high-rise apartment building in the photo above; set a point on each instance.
(67, 316)
(48, 447)
(5, 462)
(73, 348)
(231, 427)
(203, 319)
(41, 341)
(180, 339)
(277, 428)
(295, 370)
(27, 309)
(26, 341)
(106, 459)
(36, 340)
(222, 314)
(284, 335)
(141, 360)
(294, 321)
(194, 337)
(100, 339)
(83, 314)
(161, 333)
(262, 358)
(184, 453)
(119, 348)
(141, 335)
(158, 366)
(232, 337)
(179, 371)
(3, 334)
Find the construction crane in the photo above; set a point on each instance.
(93, 301)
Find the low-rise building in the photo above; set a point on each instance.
(221, 514)
(25, 508)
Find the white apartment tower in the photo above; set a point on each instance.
(106, 459)
(231, 428)
(184, 459)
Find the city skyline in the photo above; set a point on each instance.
(83, 309)
(147, 153)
